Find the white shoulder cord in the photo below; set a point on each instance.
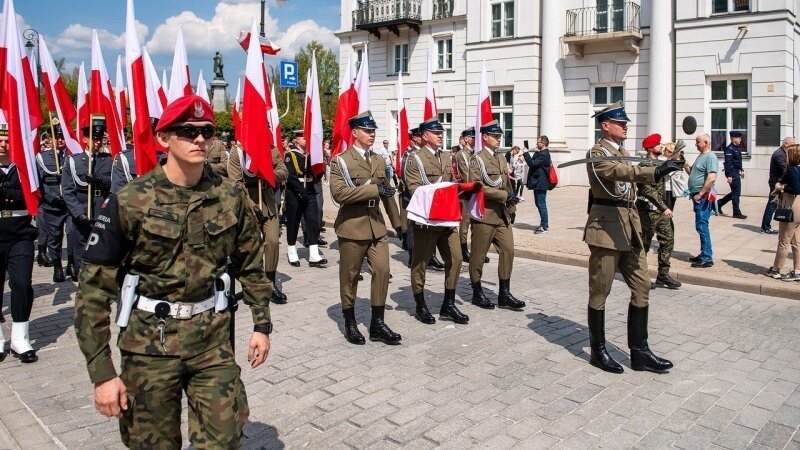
(40, 161)
(75, 176)
(126, 168)
(621, 186)
(489, 181)
(243, 163)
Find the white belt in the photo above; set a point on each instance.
(7, 214)
(182, 311)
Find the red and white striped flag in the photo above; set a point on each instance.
(430, 111)
(201, 89)
(119, 92)
(255, 136)
(483, 114)
(144, 152)
(346, 108)
(362, 87)
(58, 100)
(267, 46)
(236, 119)
(438, 204)
(82, 110)
(179, 84)
(275, 121)
(402, 126)
(156, 96)
(101, 100)
(162, 92)
(17, 107)
(312, 125)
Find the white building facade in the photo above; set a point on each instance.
(729, 64)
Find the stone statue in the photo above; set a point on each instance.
(218, 65)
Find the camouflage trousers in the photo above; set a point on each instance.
(216, 396)
(654, 223)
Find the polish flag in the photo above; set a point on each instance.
(144, 152)
(156, 96)
(255, 135)
(483, 114)
(58, 100)
(346, 108)
(362, 85)
(402, 126)
(267, 46)
(202, 89)
(275, 123)
(179, 84)
(119, 91)
(430, 95)
(16, 100)
(3, 51)
(101, 99)
(162, 93)
(312, 125)
(82, 110)
(236, 119)
(438, 204)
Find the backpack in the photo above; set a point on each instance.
(552, 178)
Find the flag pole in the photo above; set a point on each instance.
(55, 151)
(89, 193)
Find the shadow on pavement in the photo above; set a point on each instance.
(52, 326)
(564, 332)
(404, 300)
(259, 435)
(744, 226)
(747, 267)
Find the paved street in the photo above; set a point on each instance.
(508, 379)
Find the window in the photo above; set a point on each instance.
(359, 55)
(400, 58)
(730, 101)
(604, 96)
(610, 16)
(444, 53)
(446, 119)
(726, 6)
(503, 112)
(503, 19)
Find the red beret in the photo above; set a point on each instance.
(189, 108)
(651, 141)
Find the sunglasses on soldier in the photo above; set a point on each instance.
(190, 132)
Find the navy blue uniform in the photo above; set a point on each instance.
(17, 234)
(52, 208)
(301, 197)
(733, 170)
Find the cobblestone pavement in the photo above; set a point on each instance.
(508, 379)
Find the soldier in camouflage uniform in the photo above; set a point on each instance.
(175, 228)
(656, 216)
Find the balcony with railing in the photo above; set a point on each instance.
(618, 21)
(442, 9)
(372, 15)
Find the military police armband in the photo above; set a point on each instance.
(265, 328)
(106, 244)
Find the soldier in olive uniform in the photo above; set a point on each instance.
(177, 219)
(359, 184)
(79, 187)
(267, 210)
(491, 169)
(218, 157)
(461, 174)
(613, 233)
(301, 201)
(427, 166)
(656, 215)
(52, 207)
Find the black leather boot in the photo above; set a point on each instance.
(410, 254)
(68, 271)
(422, 313)
(642, 358)
(76, 271)
(449, 310)
(479, 299)
(351, 332)
(506, 300)
(435, 263)
(277, 295)
(464, 253)
(42, 260)
(58, 272)
(379, 332)
(597, 340)
(666, 281)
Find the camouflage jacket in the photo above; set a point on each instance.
(654, 193)
(178, 240)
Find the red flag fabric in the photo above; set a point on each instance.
(101, 100)
(144, 145)
(483, 115)
(430, 110)
(275, 121)
(267, 46)
(58, 100)
(346, 108)
(255, 136)
(313, 120)
(119, 92)
(438, 204)
(402, 127)
(82, 110)
(236, 119)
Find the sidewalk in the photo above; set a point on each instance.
(741, 252)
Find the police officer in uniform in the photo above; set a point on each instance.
(267, 212)
(734, 172)
(613, 233)
(177, 219)
(301, 201)
(491, 170)
(359, 184)
(52, 207)
(79, 187)
(17, 234)
(423, 167)
(461, 174)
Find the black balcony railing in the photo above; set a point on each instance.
(442, 9)
(613, 18)
(371, 13)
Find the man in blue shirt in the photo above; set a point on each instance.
(701, 182)
(734, 172)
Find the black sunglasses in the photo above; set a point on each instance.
(190, 132)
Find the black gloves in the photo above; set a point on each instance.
(59, 201)
(83, 219)
(386, 191)
(512, 199)
(97, 182)
(259, 215)
(667, 167)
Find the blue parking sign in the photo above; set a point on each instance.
(289, 78)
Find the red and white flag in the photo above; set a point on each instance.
(267, 46)
(483, 114)
(101, 99)
(179, 84)
(144, 148)
(156, 96)
(255, 136)
(58, 100)
(275, 121)
(402, 126)
(312, 125)
(3, 51)
(362, 84)
(119, 92)
(19, 112)
(201, 89)
(438, 204)
(236, 119)
(430, 111)
(162, 92)
(346, 108)
(82, 110)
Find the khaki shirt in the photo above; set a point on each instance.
(497, 212)
(434, 168)
(218, 158)
(238, 174)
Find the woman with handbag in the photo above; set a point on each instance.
(788, 216)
